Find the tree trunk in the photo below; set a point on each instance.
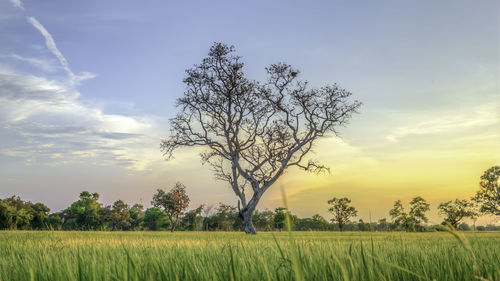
(174, 224)
(246, 220)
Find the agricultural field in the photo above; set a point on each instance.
(58, 255)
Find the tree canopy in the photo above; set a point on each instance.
(488, 195)
(173, 202)
(341, 211)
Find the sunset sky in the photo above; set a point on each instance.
(87, 88)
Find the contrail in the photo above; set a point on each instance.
(51, 45)
(17, 4)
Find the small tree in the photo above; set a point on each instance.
(155, 219)
(253, 132)
(263, 220)
(120, 216)
(192, 220)
(341, 211)
(414, 219)
(84, 214)
(418, 208)
(226, 218)
(456, 211)
(488, 196)
(279, 218)
(136, 216)
(173, 202)
(398, 215)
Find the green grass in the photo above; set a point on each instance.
(28, 255)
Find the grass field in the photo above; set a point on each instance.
(28, 255)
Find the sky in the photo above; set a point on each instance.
(87, 89)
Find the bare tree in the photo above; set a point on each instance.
(252, 131)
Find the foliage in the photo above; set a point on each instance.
(488, 195)
(192, 220)
(317, 222)
(418, 208)
(226, 218)
(120, 216)
(263, 220)
(88, 214)
(136, 216)
(84, 213)
(279, 218)
(173, 202)
(456, 211)
(18, 214)
(341, 211)
(156, 219)
(414, 219)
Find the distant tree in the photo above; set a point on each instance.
(54, 222)
(398, 215)
(226, 217)
(341, 211)
(263, 220)
(21, 213)
(463, 227)
(173, 202)
(279, 218)
(418, 208)
(106, 217)
(136, 216)
(456, 211)
(320, 222)
(363, 226)
(383, 225)
(316, 223)
(254, 132)
(7, 214)
(155, 219)
(414, 219)
(488, 196)
(40, 216)
(120, 216)
(481, 228)
(491, 227)
(84, 214)
(192, 220)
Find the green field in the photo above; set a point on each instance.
(26, 255)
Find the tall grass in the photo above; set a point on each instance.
(56, 255)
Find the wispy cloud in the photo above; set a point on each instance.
(51, 45)
(48, 122)
(51, 124)
(485, 115)
(43, 64)
(18, 4)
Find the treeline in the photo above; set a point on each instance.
(169, 212)
(88, 214)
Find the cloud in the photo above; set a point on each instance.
(44, 65)
(17, 3)
(46, 118)
(45, 121)
(480, 116)
(51, 45)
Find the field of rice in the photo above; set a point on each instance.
(31, 255)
